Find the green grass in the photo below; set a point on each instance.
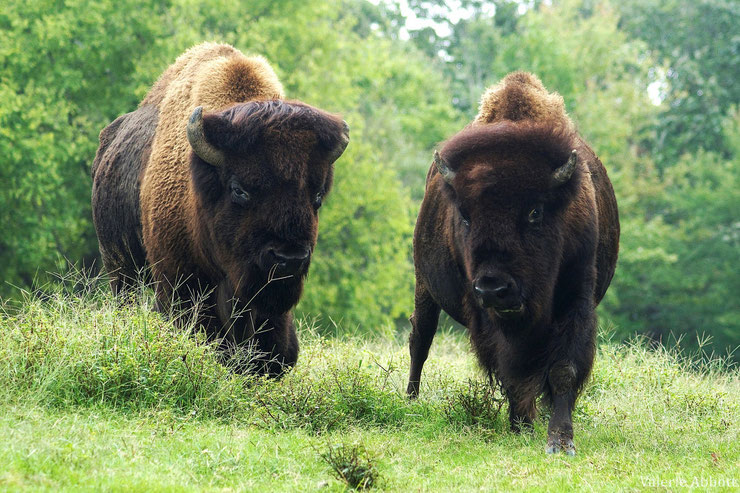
(98, 396)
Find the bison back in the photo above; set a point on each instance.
(124, 150)
(606, 204)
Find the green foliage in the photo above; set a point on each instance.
(328, 392)
(67, 69)
(86, 348)
(77, 350)
(477, 404)
(678, 270)
(362, 274)
(696, 46)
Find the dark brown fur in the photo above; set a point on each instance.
(560, 267)
(157, 205)
(129, 139)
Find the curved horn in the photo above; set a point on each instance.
(342, 144)
(197, 139)
(561, 175)
(443, 168)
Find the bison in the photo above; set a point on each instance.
(517, 239)
(214, 185)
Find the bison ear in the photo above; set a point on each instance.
(562, 175)
(341, 144)
(443, 168)
(197, 138)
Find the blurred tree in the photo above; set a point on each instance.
(697, 44)
(465, 39)
(66, 70)
(678, 273)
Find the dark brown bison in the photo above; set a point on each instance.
(214, 184)
(517, 239)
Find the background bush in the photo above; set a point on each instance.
(652, 85)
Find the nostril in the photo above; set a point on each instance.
(304, 254)
(288, 260)
(487, 285)
(499, 292)
(276, 257)
(502, 292)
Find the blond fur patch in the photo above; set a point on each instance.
(211, 75)
(521, 96)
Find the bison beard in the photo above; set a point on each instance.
(517, 239)
(213, 184)
(272, 293)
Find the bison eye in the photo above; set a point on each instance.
(239, 195)
(465, 218)
(317, 200)
(535, 215)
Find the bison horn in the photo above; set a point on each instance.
(561, 175)
(342, 144)
(443, 168)
(197, 138)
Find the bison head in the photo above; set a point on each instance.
(260, 171)
(508, 188)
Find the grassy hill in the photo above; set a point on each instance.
(96, 396)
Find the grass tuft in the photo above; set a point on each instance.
(353, 465)
(476, 403)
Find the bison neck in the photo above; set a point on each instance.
(493, 338)
(204, 245)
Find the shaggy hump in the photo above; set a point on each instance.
(215, 74)
(521, 96)
(553, 144)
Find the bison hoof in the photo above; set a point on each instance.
(412, 390)
(560, 444)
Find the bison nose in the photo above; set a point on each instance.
(288, 261)
(498, 292)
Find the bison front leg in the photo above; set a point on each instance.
(564, 381)
(522, 411)
(563, 389)
(423, 327)
(573, 359)
(521, 392)
(281, 347)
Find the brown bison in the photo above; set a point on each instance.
(517, 239)
(214, 184)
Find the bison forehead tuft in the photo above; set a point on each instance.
(281, 138)
(249, 121)
(502, 178)
(508, 154)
